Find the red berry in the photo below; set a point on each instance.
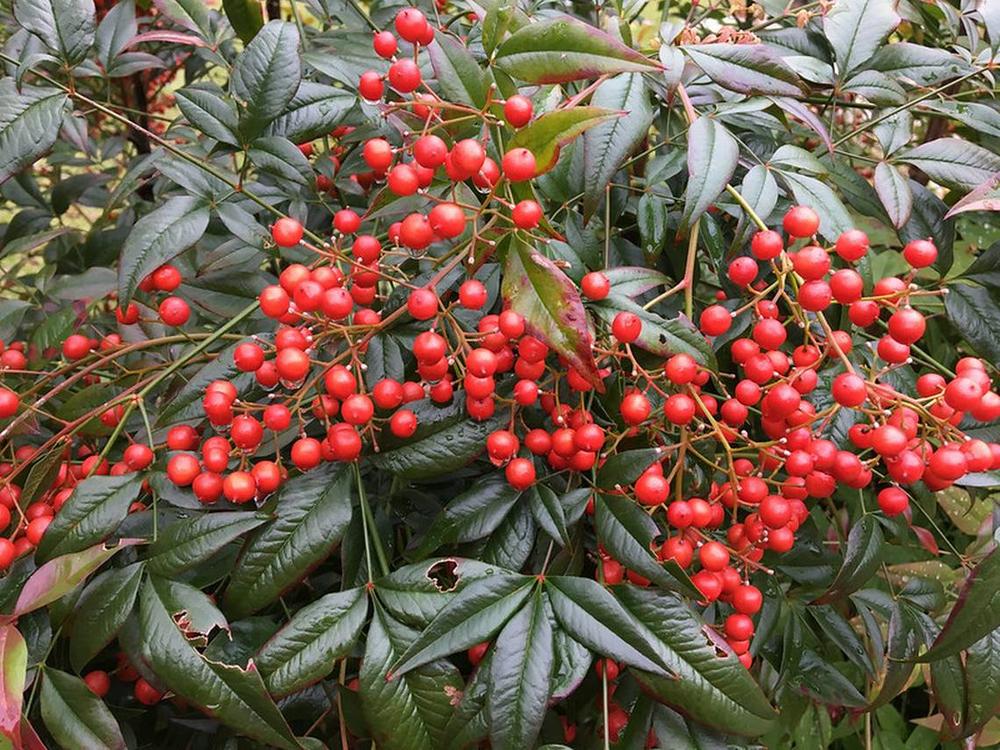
(518, 165)
(520, 473)
(174, 311)
(472, 294)
(146, 693)
(9, 402)
(801, 221)
(411, 24)
(527, 214)
(404, 75)
(370, 86)
(385, 44)
(286, 232)
(447, 220)
(430, 151)
(377, 154)
(892, 501)
(766, 245)
(467, 157)
(920, 253)
(852, 245)
(517, 110)
(422, 304)
(626, 327)
(715, 320)
(595, 285)
(98, 682)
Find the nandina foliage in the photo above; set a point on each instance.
(495, 374)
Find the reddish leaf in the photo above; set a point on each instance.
(13, 666)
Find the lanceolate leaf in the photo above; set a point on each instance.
(235, 696)
(91, 514)
(631, 281)
(313, 112)
(747, 68)
(894, 191)
(306, 649)
(712, 686)
(65, 26)
(925, 66)
(245, 17)
(565, 49)
(313, 513)
(607, 144)
(627, 533)
(907, 633)
(410, 711)
(470, 516)
(29, 125)
(856, 30)
(74, 716)
(457, 72)
(974, 313)
(210, 111)
(193, 540)
(547, 134)
(862, 556)
(470, 721)
(58, 577)
(103, 608)
(982, 667)
(266, 76)
(13, 666)
(445, 440)
(593, 617)
(976, 613)
(953, 162)
(659, 336)
(549, 512)
(712, 157)
(551, 306)
(520, 677)
(157, 238)
(472, 616)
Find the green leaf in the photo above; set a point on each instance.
(548, 133)
(236, 697)
(29, 124)
(624, 467)
(58, 577)
(953, 162)
(894, 191)
(925, 66)
(13, 669)
(66, 27)
(856, 30)
(114, 33)
(281, 158)
(474, 615)
(607, 144)
(550, 303)
(42, 474)
(185, 404)
(266, 76)
(158, 237)
(711, 686)
(190, 541)
(408, 712)
(91, 514)
(565, 49)
(470, 516)
(511, 544)
(192, 14)
(209, 110)
(841, 633)
(631, 281)
(415, 594)
(652, 215)
(470, 721)
(314, 510)
(862, 556)
(627, 532)
(878, 88)
(306, 649)
(834, 219)
(747, 68)
(520, 677)
(549, 513)
(74, 716)
(195, 613)
(976, 613)
(712, 157)
(593, 617)
(314, 111)
(982, 668)
(975, 313)
(659, 336)
(907, 633)
(245, 17)
(458, 74)
(103, 607)
(445, 440)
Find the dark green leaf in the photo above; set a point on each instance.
(74, 716)
(306, 649)
(622, 468)
(953, 162)
(266, 76)
(114, 33)
(65, 26)
(713, 687)
(29, 124)
(103, 607)
(244, 16)
(862, 556)
(185, 404)
(42, 474)
(408, 712)
(457, 72)
(157, 238)
(236, 697)
(314, 510)
(652, 215)
(840, 632)
(193, 540)
(907, 633)
(91, 514)
(712, 157)
(746, 68)
(192, 14)
(474, 615)
(548, 133)
(281, 158)
(975, 313)
(551, 306)
(470, 516)
(208, 109)
(565, 49)
(982, 667)
(856, 30)
(549, 513)
(591, 616)
(976, 613)
(470, 722)
(511, 544)
(520, 677)
(631, 281)
(314, 111)
(627, 532)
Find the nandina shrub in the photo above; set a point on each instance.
(492, 375)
